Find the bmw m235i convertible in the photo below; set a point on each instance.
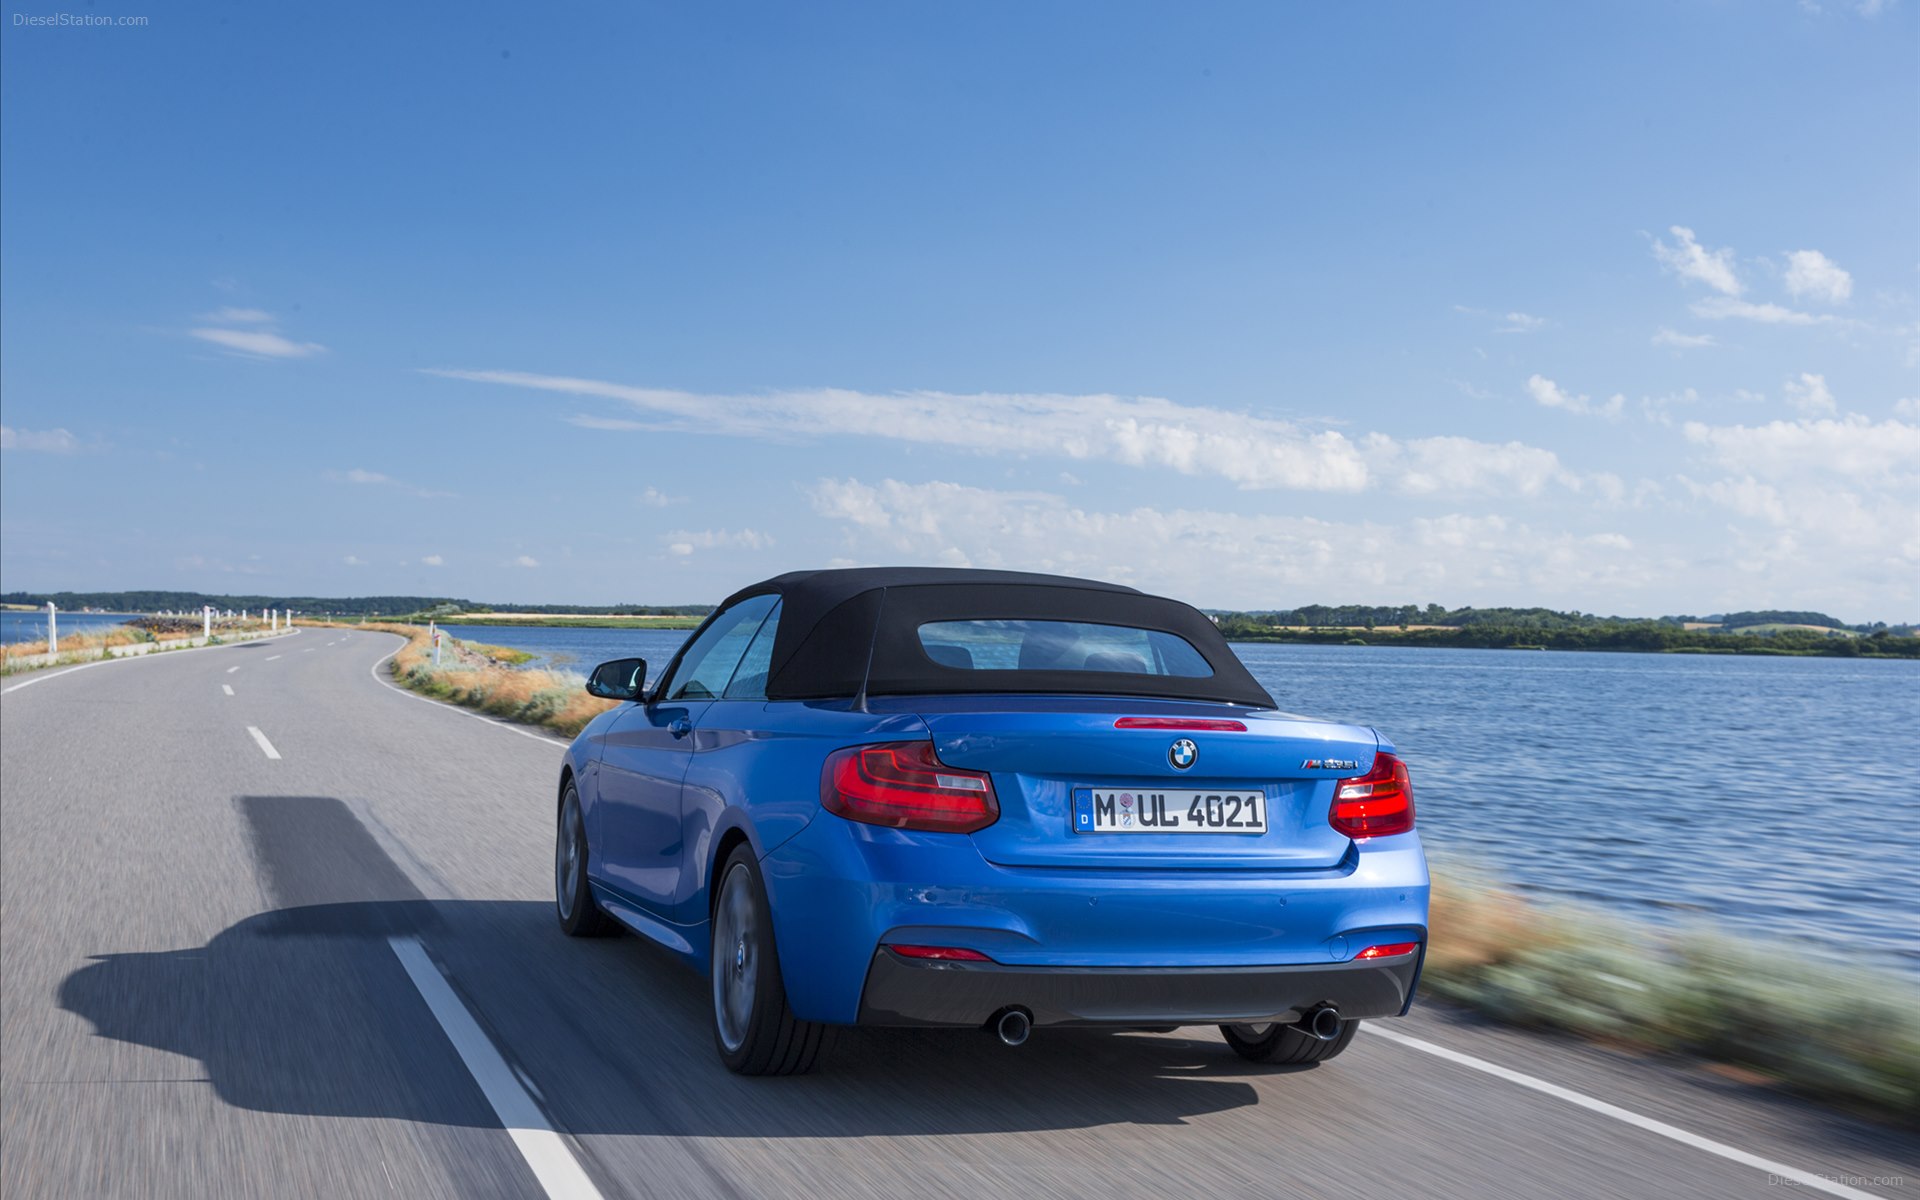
(993, 800)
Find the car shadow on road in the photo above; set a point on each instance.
(307, 1010)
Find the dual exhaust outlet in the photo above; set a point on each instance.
(1013, 1026)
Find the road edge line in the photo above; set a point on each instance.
(1625, 1115)
(456, 710)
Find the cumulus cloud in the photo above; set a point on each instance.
(433, 560)
(1248, 450)
(1509, 322)
(683, 542)
(1810, 395)
(1549, 394)
(526, 560)
(1683, 341)
(1908, 406)
(1688, 259)
(354, 560)
(1813, 275)
(653, 497)
(1853, 447)
(44, 441)
(1251, 560)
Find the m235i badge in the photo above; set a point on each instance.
(1330, 764)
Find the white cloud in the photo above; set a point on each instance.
(1720, 308)
(653, 497)
(684, 542)
(526, 560)
(433, 560)
(357, 475)
(45, 441)
(257, 343)
(1683, 341)
(1690, 260)
(1511, 322)
(354, 560)
(1853, 448)
(1814, 275)
(1810, 395)
(238, 316)
(1549, 394)
(1908, 406)
(1251, 560)
(1253, 452)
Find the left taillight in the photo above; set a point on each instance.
(1375, 804)
(903, 785)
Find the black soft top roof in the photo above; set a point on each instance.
(854, 631)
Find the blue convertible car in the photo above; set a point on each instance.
(994, 800)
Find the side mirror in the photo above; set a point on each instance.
(621, 679)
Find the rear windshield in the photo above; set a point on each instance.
(1034, 645)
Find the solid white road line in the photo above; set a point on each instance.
(132, 658)
(1819, 1183)
(227, 688)
(546, 1152)
(265, 745)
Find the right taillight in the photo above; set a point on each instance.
(1375, 804)
(902, 785)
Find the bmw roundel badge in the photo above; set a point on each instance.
(1183, 754)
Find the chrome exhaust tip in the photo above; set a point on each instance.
(1322, 1023)
(1013, 1027)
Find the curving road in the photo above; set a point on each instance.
(271, 927)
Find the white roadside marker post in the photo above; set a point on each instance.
(206, 622)
(53, 632)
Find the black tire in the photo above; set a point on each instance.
(754, 1030)
(573, 901)
(1285, 1045)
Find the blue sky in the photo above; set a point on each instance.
(1610, 307)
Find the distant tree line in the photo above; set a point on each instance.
(1393, 616)
(1646, 636)
(348, 606)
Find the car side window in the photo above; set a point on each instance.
(709, 663)
(750, 677)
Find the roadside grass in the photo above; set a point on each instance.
(15, 657)
(506, 655)
(1845, 1034)
(471, 677)
(74, 643)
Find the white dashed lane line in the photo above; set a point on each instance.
(260, 739)
(227, 688)
(231, 670)
(271, 657)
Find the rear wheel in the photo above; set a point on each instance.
(572, 901)
(1285, 1045)
(754, 1030)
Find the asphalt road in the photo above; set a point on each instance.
(205, 991)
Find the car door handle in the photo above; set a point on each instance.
(680, 727)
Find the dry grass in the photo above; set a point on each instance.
(556, 700)
(73, 643)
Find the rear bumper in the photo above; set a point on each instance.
(901, 991)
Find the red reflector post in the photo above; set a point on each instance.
(941, 953)
(1204, 724)
(1394, 950)
(1375, 804)
(902, 785)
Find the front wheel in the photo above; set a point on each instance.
(1285, 1045)
(572, 901)
(755, 1031)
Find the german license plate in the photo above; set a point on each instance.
(1153, 810)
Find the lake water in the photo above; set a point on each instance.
(32, 626)
(1781, 795)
